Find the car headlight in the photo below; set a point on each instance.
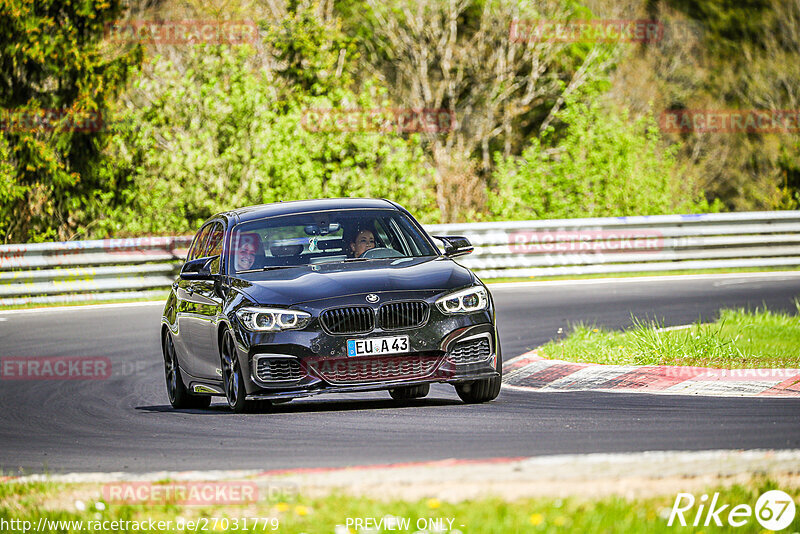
(467, 300)
(272, 319)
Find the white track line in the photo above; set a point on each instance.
(635, 279)
(493, 286)
(80, 307)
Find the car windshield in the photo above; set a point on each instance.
(326, 236)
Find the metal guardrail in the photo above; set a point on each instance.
(106, 269)
(144, 267)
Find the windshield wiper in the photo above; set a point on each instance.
(346, 260)
(268, 268)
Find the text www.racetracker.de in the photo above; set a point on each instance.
(202, 524)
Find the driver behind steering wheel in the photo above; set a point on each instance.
(363, 241)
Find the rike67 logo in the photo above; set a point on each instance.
(774, 510)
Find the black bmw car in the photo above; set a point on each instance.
(293, 299)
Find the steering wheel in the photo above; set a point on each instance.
(381, 252)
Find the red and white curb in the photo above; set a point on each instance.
(533, 372)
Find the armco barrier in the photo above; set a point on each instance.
(143, 267)
(89, 270)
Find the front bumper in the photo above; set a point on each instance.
(446, 349)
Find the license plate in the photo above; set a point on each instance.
(377, 345)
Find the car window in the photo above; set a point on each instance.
(400, 238)
(199, 244)
(381, 235)
(214, 245)
(320, 237)
(193, 246)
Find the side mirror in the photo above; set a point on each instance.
(198, 269)
(455, 245)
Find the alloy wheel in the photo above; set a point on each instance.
(230, 371)
(169, 369)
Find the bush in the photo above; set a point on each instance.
(603, 164)
(214, 133)
(55, 73)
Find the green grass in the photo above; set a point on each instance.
(483, 516)
(638, 274)
(739, 339)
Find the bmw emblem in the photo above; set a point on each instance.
(373, 298)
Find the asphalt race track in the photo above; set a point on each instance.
(124, 423)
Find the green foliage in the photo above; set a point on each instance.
(10, 191)
(727, 22)
(723, 55)
(206, 128)
(215, 133)
(604, 164)
(52, 60)
(312, 54)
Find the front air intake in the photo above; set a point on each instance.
(403, 315)
(472, 351)
(278, 369)
(350, 320)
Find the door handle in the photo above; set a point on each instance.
(190, 290)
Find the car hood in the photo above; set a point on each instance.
(297, 285)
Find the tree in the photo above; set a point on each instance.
(604, 164)
(462, 55)
(218, 127)
(57, 82)
(718, 56)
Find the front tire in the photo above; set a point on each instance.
(485, 390)
(410, 392)
(233, 380)
(179, 396)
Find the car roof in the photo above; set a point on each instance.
(250, 213)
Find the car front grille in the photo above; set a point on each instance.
(402, 315)
(351, 320)
(278, 369)
(473, 351)
(371, 369)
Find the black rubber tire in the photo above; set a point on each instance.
(233, 380)
(410, 392)
(179, 396)
(479, 391)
